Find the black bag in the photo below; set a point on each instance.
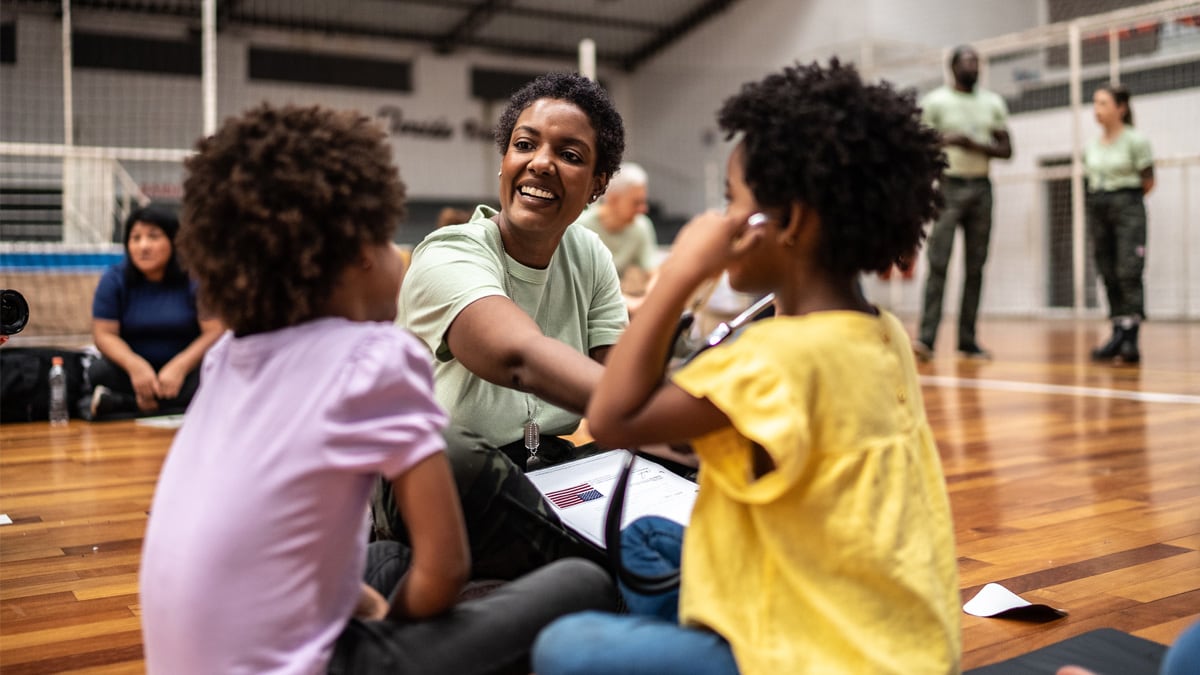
(25, 381)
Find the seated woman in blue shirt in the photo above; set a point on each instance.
(146, 326)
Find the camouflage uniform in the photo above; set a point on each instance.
(969, 203)
(510, 527)
(1117, 221)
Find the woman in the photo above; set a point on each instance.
(1120, 173)
(519, 310)
(146, 326)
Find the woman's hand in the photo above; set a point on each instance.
(145, 382)
(170, 379)
(372, 606)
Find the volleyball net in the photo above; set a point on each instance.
(90, 132)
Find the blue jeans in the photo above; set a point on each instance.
(649, 640)
(1184, 656)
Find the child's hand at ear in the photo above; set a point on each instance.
(708, 243)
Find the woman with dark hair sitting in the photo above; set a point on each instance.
(146, 325)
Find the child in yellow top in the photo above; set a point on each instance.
(821, 540)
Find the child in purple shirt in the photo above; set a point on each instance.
(256, 547)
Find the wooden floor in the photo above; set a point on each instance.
(1073, 484)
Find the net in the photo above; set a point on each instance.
(98, 124)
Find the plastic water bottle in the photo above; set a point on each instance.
(58, 393)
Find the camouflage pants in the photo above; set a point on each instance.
(1117, 224)
(510, 527)
(969, 204)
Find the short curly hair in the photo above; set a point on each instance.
(589, 97)
(856, 153)
(277, 203)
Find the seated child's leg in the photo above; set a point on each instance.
(652, 546)
(594, 643)
(488, 635)
(511, 528)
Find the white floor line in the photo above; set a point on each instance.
(1039, 388)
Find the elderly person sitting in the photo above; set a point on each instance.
(620, 220)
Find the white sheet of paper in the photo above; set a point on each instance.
(162, 421)
(994, 599)
(653, 491)
(4, 519)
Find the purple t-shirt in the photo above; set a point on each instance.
(257, 535)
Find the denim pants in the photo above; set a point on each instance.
(969, 204)
(489, 635)
(649, 640)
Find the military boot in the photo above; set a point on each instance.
(1108, 350)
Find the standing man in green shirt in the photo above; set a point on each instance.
(973, 123)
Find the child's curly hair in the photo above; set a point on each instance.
(857, 154)
(277, 203)
(589, 97)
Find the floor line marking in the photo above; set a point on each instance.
(1069, 390)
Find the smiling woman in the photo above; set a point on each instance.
(519, 310)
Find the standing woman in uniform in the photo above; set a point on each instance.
(1120, 173)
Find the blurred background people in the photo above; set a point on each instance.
(146, 324)
(452, 216)
(620, 220)
(973, 123)
(1120, 173)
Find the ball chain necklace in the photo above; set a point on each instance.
(533, 431)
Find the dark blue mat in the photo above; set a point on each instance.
(1105, 651)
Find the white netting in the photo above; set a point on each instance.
(92, 128)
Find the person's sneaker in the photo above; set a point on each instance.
(922, 351)
(974, 352)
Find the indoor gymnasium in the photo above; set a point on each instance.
(311, 284)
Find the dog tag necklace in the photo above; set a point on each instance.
(533, 431)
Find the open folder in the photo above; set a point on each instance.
(579, 492)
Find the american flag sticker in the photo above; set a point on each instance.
(576, 494)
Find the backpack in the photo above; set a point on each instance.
(25, 381)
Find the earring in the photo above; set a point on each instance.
(499, 174)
